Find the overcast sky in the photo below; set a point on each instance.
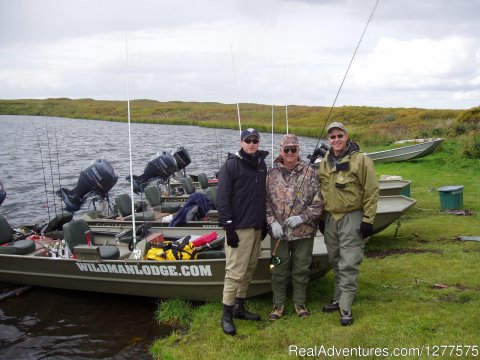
(414, 53)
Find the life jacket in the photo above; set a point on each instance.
(182, 249)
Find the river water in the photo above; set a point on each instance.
(40, 154)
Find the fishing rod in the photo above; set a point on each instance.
(273, 106)
(286, 116)
(43, 170)
(275, 260)
(58, 166)
(346, 72)
(236, 91)
(136, 251)
(51, 168)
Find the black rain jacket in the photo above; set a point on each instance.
(241, 193)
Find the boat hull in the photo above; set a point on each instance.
(389, 209)
(393, 187)
(199, 280)
(406, 153)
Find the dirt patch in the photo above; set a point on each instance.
(392, 252)
(422, 241)
(462, 287)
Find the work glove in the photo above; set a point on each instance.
(366, 229)
(277, 230)
(294, 221)
(321, 226)
(232, 237)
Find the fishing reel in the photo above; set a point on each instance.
(319, 152)
(275, 260)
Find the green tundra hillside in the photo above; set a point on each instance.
(372, 126)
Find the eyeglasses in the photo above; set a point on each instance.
(333, 137)
(248, 141)
(287, 149)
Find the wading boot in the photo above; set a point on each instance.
(346, 318)
(240, 312)
(227, 320)
(331, 307)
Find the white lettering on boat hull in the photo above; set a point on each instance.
(148, 270)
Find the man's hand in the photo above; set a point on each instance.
(366, 229)
(294, 221)
(277, 230)
(321, 226)
(232, 237)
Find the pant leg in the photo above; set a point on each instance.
(256, 235)
(237, 262)
(301, 259)
(281, 272)
(332, 242)
(351, 254)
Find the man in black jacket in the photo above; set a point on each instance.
(241, 204)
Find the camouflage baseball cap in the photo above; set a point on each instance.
(289, 140)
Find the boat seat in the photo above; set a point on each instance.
(211, 193)
(6, 232)
(203, 181)
(8, 246)
(187, 185)
(211, 254)
(56, 224)
(124, 206)
(154, 199)
(19, 247)
(74, 234)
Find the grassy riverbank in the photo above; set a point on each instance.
(369, 125)
(401, 302)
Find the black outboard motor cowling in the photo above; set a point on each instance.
(99, 178)
(3, 193)
(182, 157)
(162, 166)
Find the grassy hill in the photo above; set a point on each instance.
(372, 126)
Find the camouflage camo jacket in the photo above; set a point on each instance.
(282, 184)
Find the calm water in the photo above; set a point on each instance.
(57, 324)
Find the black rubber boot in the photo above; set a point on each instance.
(240, 312)
(227, 320)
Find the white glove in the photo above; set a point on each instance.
(294, 221)
(277, 230)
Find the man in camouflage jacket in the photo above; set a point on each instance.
(294, 204)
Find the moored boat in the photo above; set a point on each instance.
(405, 153)
(200, 279)
(389, 209)
(393, 187)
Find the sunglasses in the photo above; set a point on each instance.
(333, 137)
(287, 149)
(248, 141)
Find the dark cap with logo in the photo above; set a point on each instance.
(249, 132)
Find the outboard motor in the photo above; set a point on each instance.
(97, 178)
(162, 166)
(182, 157)
(3, 193)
